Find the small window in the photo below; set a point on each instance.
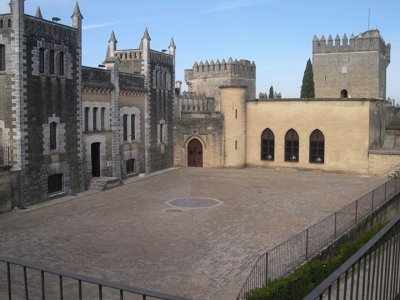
(55, 183)
(317, 147)
(95, 109)
(292, 146)
(61, 63)
(235, 113)
(125, 127)
(236, 145)
(103, 115)
(87, 109)
(53, 136)
(1, 23)
(343, 94)
(2, 58)
(9, 22)
(41, 60)
(161, 132)
(133, 127)
(267, 145)
(51, 61)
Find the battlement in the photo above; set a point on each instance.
(368, 41)
(196, 103)
(237, 68)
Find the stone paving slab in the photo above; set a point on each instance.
(132, 235)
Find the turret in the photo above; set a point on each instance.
(112, 45)
(38, 13)
(337, 41)
(145, 42)
(345, 41)
(172, 47)
(77, 17)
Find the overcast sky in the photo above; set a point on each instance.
(276, 34)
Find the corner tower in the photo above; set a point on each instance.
(351, 68)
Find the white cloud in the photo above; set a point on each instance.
(230, 5)
(99, 25)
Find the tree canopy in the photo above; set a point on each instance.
(307, 87)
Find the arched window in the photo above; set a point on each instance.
(2, 58)
(317, 147)
(53, 136)
(292, 146)
(267, 145)
(9, 22)
(343, 94)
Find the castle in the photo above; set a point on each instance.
(66, 128)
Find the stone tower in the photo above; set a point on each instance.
(351, 68)
(208, 77)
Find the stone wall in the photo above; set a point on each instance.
(382, 163)
(9, 190)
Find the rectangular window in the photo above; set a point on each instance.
(125, 127)
(235, 113)
(235, 145)
(53, 136)
(2, 58)
(103, 115)
(161, 132)
(41, 60)
(86, 119)
(133, 127)
(51, 61)
(61, 63)
(95, 118)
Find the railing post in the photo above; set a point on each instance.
(266, 267)
(372, 200)
(385, 191)
(307, 244)
(335, 225)
(356, 209)
(9, 280)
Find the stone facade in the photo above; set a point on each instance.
(158, 69)
(351, 68)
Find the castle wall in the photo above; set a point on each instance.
(381, 163)
(345, 125)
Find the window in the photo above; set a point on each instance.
(55, 183)
(51, 62)
(267, 145)
(235, 113)
(95, 109)
(343, 94)
(87, 118)
(61, 63)
(133, 127)
(125, 127)
(292, 146)
(103, 114)
(317, 147)
(161, 132)
(2, 58)
(53, 136)
(41, 60)
(236, 145)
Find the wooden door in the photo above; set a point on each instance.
(195, 154)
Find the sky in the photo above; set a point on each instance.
(275, 34)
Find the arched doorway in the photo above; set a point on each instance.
(195, 154)
(95, 159)
(343, 94)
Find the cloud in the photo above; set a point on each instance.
(99, 25)
(230, 5)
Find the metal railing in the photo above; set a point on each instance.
(285, 257)
(371, 273)
(24, 280)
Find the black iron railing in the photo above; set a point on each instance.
(285, 257)
(371, 273)
(24, 280)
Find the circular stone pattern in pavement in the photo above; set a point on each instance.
(191, 202)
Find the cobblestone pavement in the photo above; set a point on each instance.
(131, 235)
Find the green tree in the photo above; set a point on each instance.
(271, 92)
(307, 87)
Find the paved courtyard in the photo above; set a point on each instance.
(132, 235)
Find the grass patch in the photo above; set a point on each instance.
(303, 280)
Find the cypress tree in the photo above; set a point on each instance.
(271, 93)
(307, 87)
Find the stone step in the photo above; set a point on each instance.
(104, 183)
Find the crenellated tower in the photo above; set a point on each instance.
(354, 67)
(206, 77)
